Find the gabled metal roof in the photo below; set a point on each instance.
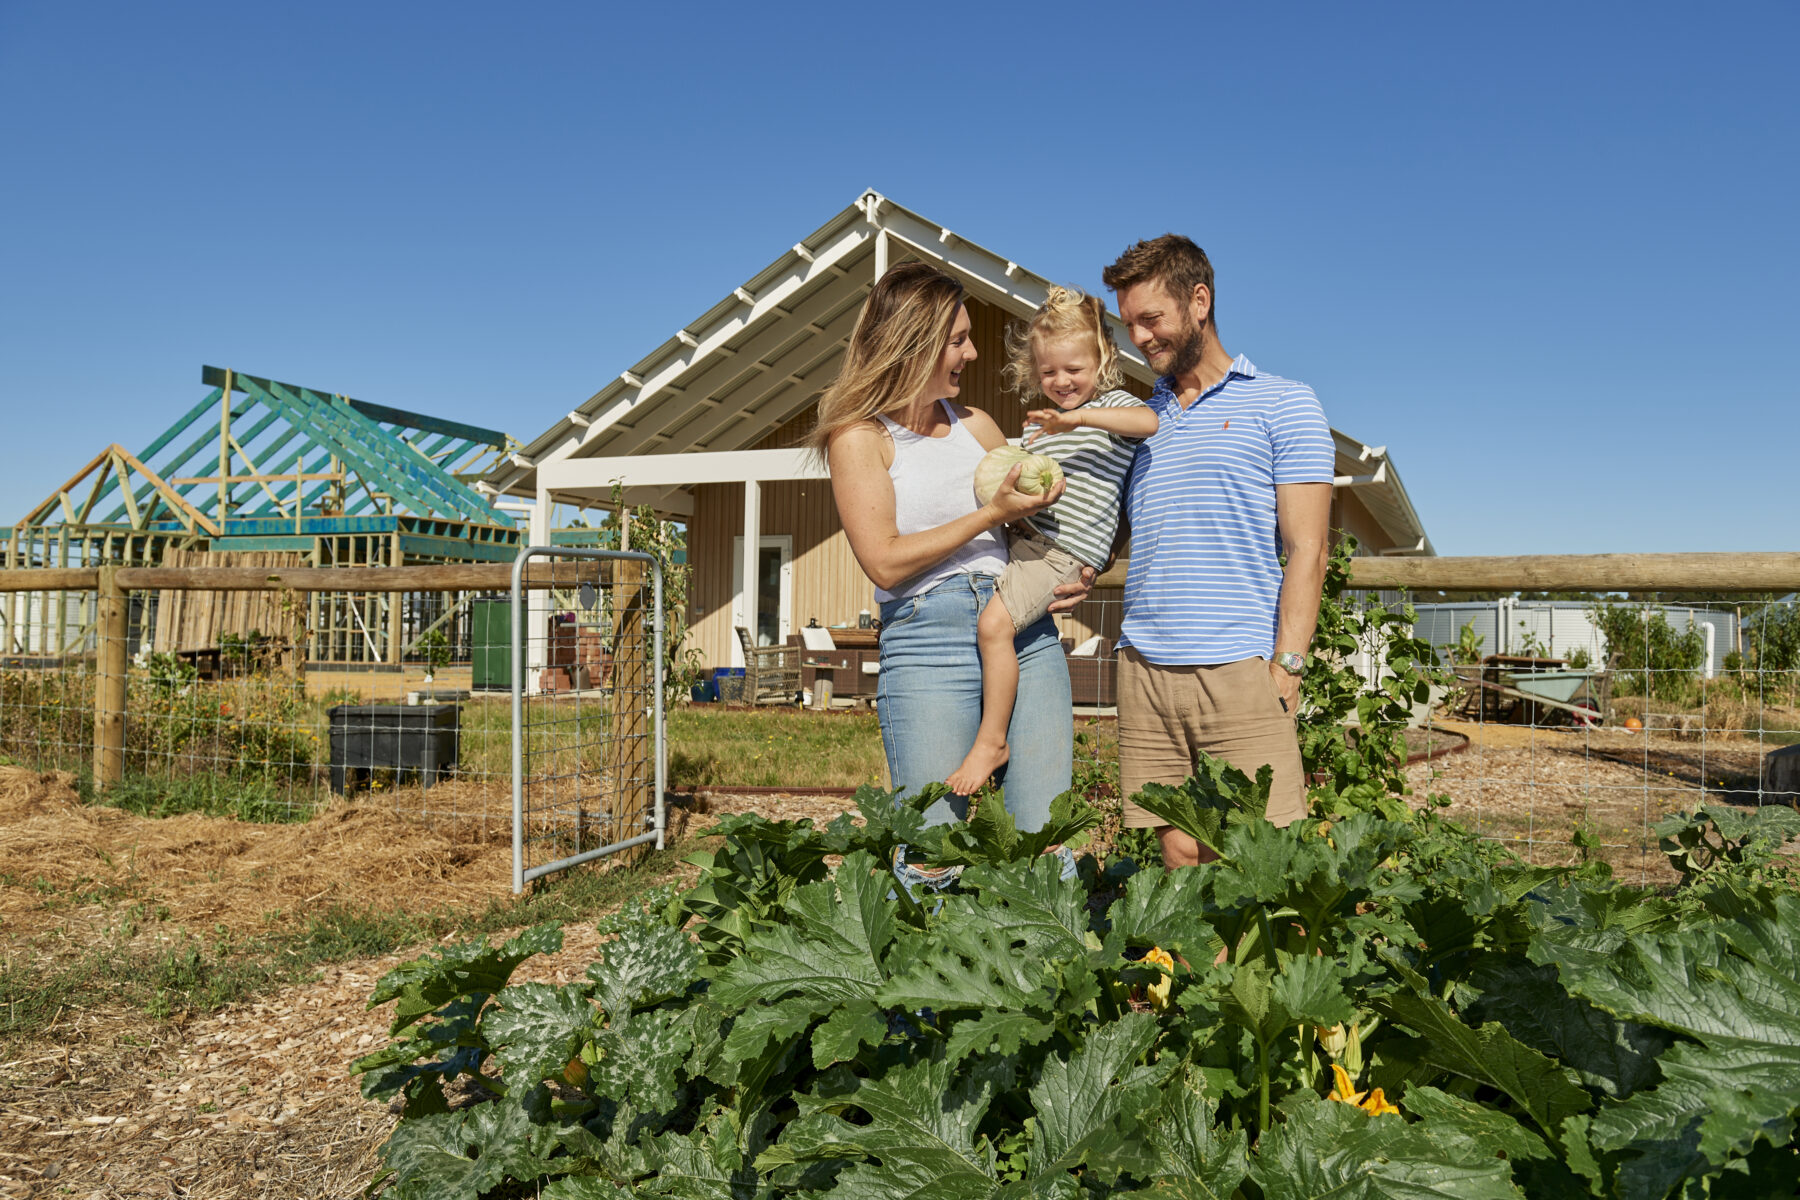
(763, 354)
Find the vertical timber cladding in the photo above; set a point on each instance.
(827, 582)
(194, 620)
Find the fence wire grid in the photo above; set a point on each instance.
(1565, 730)
(587, 676)
(234, 704)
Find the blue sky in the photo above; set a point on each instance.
(1544, 253)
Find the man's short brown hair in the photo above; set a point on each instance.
(1171, 260)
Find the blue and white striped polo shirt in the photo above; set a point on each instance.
(1205, 576)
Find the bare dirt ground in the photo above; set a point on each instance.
(256, 1100)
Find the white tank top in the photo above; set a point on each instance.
(934, 484)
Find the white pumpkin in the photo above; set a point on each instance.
(1038, 474)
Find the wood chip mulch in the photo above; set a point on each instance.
(254, 1101)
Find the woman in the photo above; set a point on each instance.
(902, 456)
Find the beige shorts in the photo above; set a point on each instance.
(1167, 715)
(1034, 570)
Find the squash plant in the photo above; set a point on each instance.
(795, 1025)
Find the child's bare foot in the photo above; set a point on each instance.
(982, 761)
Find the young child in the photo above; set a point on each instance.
(1067, 356)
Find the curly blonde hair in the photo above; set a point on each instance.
(1065, 313)
(894, 349)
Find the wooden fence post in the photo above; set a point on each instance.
(112, 662)
(633, 675)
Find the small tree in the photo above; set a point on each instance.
(1647, 657)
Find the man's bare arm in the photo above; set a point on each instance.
(1303, 517)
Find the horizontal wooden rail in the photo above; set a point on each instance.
(1777, 572)
(466, 577)
(51, 579)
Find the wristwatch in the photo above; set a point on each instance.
(1293, 662)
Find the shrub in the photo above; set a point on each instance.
(1647, 657)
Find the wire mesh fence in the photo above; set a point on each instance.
(1566, 730)
(587, 675)
(1563, 729)
(226, 702)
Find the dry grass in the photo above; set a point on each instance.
(65, 865)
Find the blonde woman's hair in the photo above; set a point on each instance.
(1065, 313)
(894, 349)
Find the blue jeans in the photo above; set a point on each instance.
(929, 700)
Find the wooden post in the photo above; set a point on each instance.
(630, 770)
(111, 628)
(396, 605)
(225, 453)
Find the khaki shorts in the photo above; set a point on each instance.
(1034, 571)
(1231, 711)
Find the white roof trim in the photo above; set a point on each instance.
(739, 371)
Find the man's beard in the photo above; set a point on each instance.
(1186, 354)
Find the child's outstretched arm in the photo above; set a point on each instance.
(1137, 421)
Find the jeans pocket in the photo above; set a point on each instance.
(895, 613)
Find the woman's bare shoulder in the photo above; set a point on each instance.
(986, 430)
(861, 440)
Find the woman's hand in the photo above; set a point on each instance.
(1071, 594)
(1010, 504)
(1051, 420)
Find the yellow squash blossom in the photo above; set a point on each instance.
(1374, 1102)
(1159, 991)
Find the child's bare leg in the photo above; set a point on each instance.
(999, 688)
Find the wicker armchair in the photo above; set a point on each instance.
(771, 673)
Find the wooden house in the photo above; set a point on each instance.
(708, 427)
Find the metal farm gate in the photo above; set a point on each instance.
(589, 755)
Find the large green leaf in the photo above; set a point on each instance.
(1270, 1001)
(1326, 1149)
(1197, 1158)
(989, 836)
(1489, 1128)
(1030, 903)
(1164, 909)
(999, 1031)
(1087, 1104)
(1734, 989)
(845, 1032)
(828, 955)
(1198, 806)
(920, 1122)
(968, 964)
(703, 1165)
(642, 1062)
(536, 1029)
(465, 969)
(458, 1156)
(1540, 1087)
(1617, 1057)
(645, 964)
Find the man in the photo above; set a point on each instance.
(1239, 472)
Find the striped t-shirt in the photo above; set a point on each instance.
(1205, 576)
(1095, 465)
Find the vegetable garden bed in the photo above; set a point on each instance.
(1365, 1007)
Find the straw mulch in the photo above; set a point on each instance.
(255, 1101)
(211, 871)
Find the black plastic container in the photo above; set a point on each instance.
(401, 737)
